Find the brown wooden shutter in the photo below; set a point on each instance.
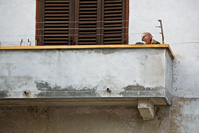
(82, 22)
(88, 17)
(56, 22)
(114, 22)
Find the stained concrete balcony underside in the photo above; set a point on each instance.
(137, 75)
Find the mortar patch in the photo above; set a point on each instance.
(4, 93)
(136, 90)
(70, 91)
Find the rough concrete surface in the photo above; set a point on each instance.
(84, 73)
(181, 117)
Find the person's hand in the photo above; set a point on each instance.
(153, 41)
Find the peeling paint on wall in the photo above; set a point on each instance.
(105, 51)
(49, 91)
(141, 88)
(4, 93)
(133, 90)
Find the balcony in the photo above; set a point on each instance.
(132, 75)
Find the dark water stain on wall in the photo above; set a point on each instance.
(4, 93)
(105, 51)
(131, 90)
(70, 91)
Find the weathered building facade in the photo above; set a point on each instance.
(101, 88)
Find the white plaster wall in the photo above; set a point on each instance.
(180, 22)
(17, 21)
(181, 28)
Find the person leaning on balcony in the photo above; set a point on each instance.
(147, 38)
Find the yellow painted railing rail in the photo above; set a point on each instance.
(88, 47)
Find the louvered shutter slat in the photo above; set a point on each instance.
(87, 29)
(113, 21)
(56, 26)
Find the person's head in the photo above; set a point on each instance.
(147, 37)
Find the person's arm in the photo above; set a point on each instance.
(139, 43)
(154, 42)
(158, 42)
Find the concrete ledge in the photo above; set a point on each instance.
(114, 101)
